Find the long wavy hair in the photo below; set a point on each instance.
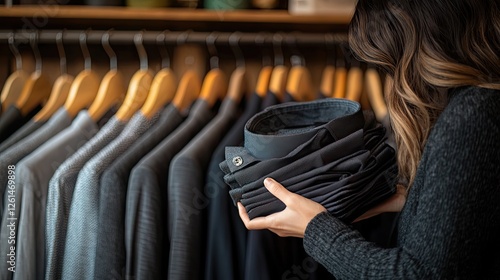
(427, 47)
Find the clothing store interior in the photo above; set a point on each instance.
(130, 129)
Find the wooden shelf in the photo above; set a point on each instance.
(53, 16)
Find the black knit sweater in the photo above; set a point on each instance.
(449, 227)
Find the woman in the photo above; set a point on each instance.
(443, 56)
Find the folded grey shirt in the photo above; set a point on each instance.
(60, 193)
(81, 238)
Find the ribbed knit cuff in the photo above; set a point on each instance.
(320, 232)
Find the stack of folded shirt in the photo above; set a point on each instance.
(326, 150)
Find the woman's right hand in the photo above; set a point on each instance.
(393, 204)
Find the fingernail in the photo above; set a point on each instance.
(268, 181)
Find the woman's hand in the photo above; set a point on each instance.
(394, 203)
(292, 221)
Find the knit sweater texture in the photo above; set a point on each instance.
(449, 227)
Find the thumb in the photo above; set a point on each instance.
(278, 190)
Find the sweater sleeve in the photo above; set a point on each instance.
(450, 225)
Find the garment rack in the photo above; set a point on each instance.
(172, 37)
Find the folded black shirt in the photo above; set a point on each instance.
(326, 150)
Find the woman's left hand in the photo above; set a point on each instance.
(292, 221)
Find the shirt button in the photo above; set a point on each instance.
(238, 161)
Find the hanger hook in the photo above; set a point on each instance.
(15, 51)
(346, 52)
(330, 49)
(296, 59)
(85, 51)
(141, 51)
(62, 53)
(212, 50)
(36, 51)
(259, 41)
(234, 40)
(278, 51)
(113, 61)
(162, 48)
(183, 37)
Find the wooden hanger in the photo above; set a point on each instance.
(327, 80)
(328, 75)
(262, 86)
(137, 94)
(187, 57)
(35, 91)
(13, 87)
(85, 86)
(58, 96)
(111, 92)
(163, 89)
(214, 86)
(339, 84)
(264, 77)
(277, 84)
(375, 93)
(354, 87)
(15, 82)
(139, 85)
(112, 87)
(164, 84)
(237, 84)
(188, 90)
(60, 90)
(82, 92)
(37, 88)
(238, 80)
(364, 101)
(299, 84)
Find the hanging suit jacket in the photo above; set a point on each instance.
(111, 253)
(146, 241)
(186, 201)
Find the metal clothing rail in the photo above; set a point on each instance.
(172, 37)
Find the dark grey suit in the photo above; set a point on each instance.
(111, 252)
(146, 242)
(224, 225)
(186, 201)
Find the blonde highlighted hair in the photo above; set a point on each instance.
(427, 47)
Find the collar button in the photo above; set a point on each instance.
(237, 161)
